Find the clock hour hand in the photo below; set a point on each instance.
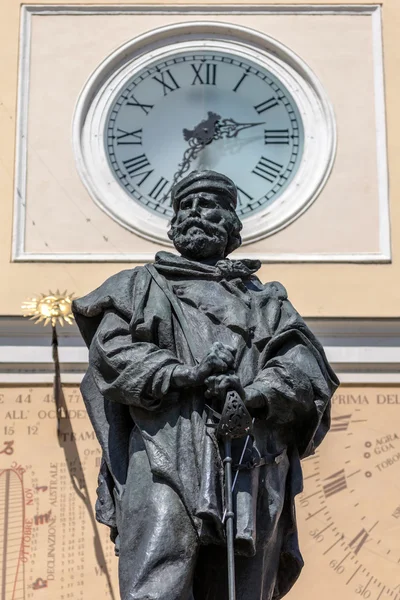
(230, 128)
(215, 128)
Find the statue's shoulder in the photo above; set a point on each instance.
(273, 289)
(115, 292)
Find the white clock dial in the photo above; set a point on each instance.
(210, 110)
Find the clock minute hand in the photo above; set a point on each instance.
(189, 155)
(198, 137)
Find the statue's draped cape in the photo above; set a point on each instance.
(135, 341)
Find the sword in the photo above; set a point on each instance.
(235, 422)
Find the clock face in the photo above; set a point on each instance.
(204, 110)
(203, 95)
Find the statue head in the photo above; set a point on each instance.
(205, 224)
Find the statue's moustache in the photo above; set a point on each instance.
(206, 226)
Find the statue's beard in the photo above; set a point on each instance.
(199, 239)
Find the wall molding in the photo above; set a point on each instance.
(19, 252)
(361, 351)
(144, 257)
(201, 9)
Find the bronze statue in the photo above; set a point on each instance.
(174, 347)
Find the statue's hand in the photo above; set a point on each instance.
(219, 359)
(256, 403)
(254, 398)
(219, 385)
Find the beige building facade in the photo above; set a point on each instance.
(330, 233)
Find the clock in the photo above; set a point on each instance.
(234, 116)
(203, 96)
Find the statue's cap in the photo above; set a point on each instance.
(205, 181)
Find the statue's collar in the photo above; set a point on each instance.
(168, 263)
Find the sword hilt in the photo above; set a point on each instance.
(235, 421)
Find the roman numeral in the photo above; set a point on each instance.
(276, 136)
(266, 105)
(167, 80)
(206, 73)
(241, 195)
(340, 423)
(358, 542)
(158, 188)
(267, 169)
(239, 83)
(129, 137)
(145, 107)
(135, 165)
(336, 483)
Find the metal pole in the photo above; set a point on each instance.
(229, 520)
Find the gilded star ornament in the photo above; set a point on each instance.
(51, 308)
